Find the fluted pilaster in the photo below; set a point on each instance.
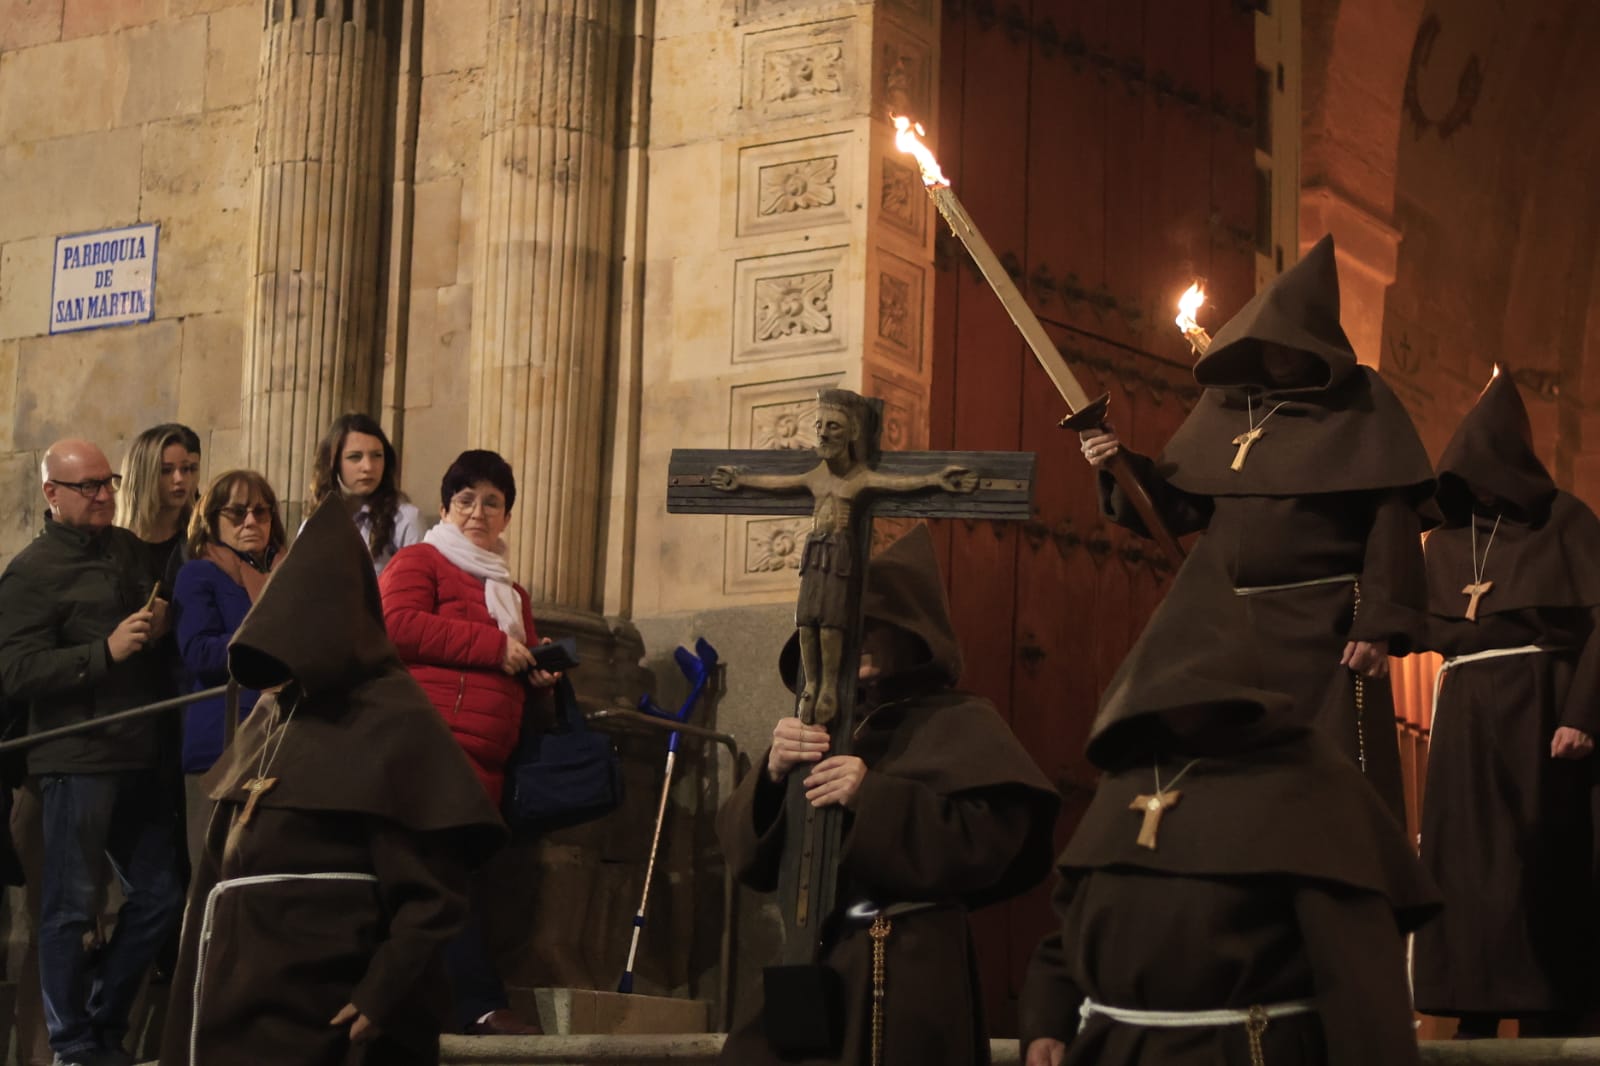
(542, 291)
(314, 297)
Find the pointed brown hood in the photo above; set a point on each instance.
(1260, 795)
(320, 619)
(350, 731)
(1299, 310)
(1492, 455)
(1190, 685)
(904, 589)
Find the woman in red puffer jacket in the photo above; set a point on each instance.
(463, 628)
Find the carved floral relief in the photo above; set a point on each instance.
(773, 546)
(788, 426)
(799, 186)
(795, 74)
(793, 306)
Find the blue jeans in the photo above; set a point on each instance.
(126, 817)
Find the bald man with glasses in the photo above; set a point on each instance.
(76, 619)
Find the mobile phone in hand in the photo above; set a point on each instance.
(556, 656)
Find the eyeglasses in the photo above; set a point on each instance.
(465, 504)
(236, 514)
(89, 488)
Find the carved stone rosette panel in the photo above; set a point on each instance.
(897, 294)
(801, 184)
(905, 419)
(786, 305)
(902, 76)
(814, 69)
(902, 202)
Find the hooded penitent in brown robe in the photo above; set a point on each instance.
(951, 811)
(1318, 527)
(1277, 876)
(373, 800)
(1507, 829)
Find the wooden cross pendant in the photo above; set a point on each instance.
(1477, 590)
(255, 786)
(1153, 807)
(1244, 441)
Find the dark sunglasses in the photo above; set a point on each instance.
(236, 514)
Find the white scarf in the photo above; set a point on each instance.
(505, 606)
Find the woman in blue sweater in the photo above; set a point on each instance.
(234, 540)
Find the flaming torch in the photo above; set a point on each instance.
(1087, 415)
(1188, 306)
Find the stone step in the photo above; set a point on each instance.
(701, 1050)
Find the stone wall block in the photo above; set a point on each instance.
(25, 279)
(201, 7)
(436, 233)
(24, 510)
(61, 89)
(107, 384)
(210, 372)
(204, 264)
(86, 18)
(9, 350)
(25, 23)
(198, 167)
(453, 326)
(233, 57)
(422, 347)
(451, 125)
(454, 38)
(698, 88)
(679, 179)
(166, 71)
(103, 169)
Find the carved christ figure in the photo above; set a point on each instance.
(846, 436)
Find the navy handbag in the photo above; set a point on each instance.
(564, 777)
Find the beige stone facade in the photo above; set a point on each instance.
(111, 114)
(670, 233)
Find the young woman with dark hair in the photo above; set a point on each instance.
(356, 462)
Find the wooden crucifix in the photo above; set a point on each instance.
(843, 484)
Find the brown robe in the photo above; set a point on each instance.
(369, 784)
(1331, 489)
(1508, 831)
(952, 810)
(1277, 876)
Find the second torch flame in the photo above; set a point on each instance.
(1188, 307)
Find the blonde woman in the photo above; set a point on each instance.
(160, 487)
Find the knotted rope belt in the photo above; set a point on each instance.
(1475, 657)
(1254, 1019)
(1361, 682)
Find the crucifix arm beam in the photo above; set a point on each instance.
(1003, 491)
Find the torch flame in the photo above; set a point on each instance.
(1496, 370)
(1188, 304)
(907, 138)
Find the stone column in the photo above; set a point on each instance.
(542, 289)
(313, 311)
